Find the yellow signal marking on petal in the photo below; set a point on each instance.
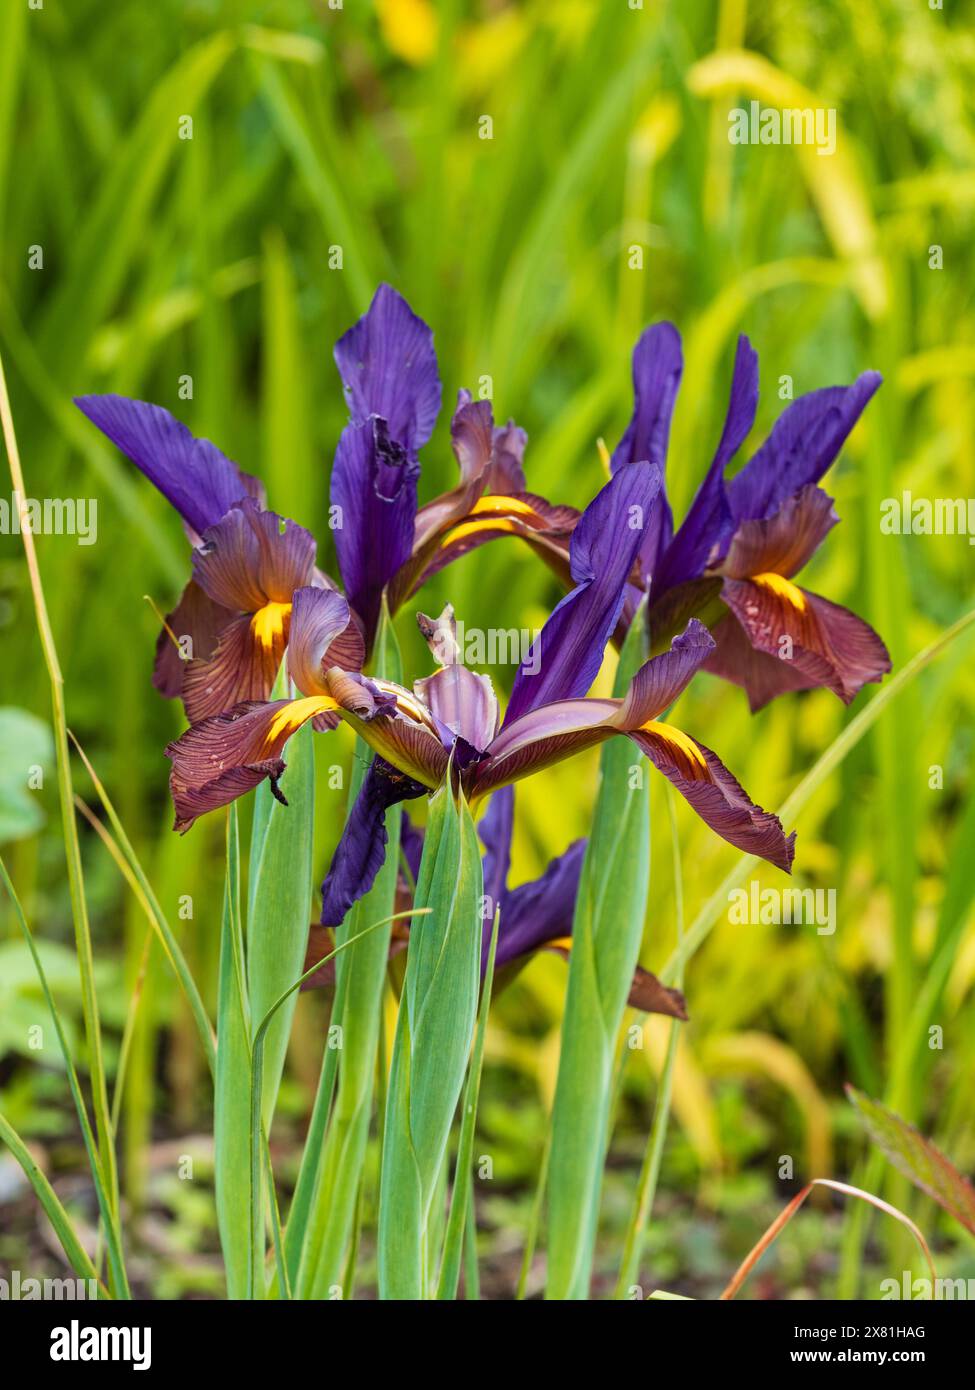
(676, 738)
(289, 720)
(495, 512)
(268, 623)
(474, 528)
(496, 504)
(782, 588)
(559, 943)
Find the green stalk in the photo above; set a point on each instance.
(281, 1269)
(361, 973)
(472, 1283)
(231, 1119)
(534, 1219)
(128, 1032)
(296, 1231)
(461, 1223)
(650, 1171)
(258, 1141)
(433, 1038)
(606, 933)
(78, 1257)
(79, 906)
(279, 902)
(110, 1219)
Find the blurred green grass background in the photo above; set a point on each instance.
(213, 258)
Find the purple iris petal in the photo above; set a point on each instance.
(197, 618)
(192, 474)
(804, 442)
(411, 845)
(319, 618)
(362, 849)
(492, 453)
(463, 703)
(472, 435)
(784, 542)
(507, 474)
(252, 557)
(657, 367)
(660, 680)
(565, 658)
(535, 912)
(714, 793)
(495, 830)
(761, 676)
(543, 736)
(222, 757)
(827, 644)
(541, 911)
(389, 368)
(374, 484)
(706, 531)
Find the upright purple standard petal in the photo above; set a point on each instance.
(566, 656)
(804, 441)
(374, 486)
(192, 474)
(389, 368)
(507, 471)
(362, 849)
(657, 367)
(705, 532)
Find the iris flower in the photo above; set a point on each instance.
(451, 719)
(224, 641)
(535, 916)
(384, 540)
(734, 558)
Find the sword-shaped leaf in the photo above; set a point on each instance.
(432, 1043)
(918, 1159)
(606, 933)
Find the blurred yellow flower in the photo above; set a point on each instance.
(409, 28)
(487, 51)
